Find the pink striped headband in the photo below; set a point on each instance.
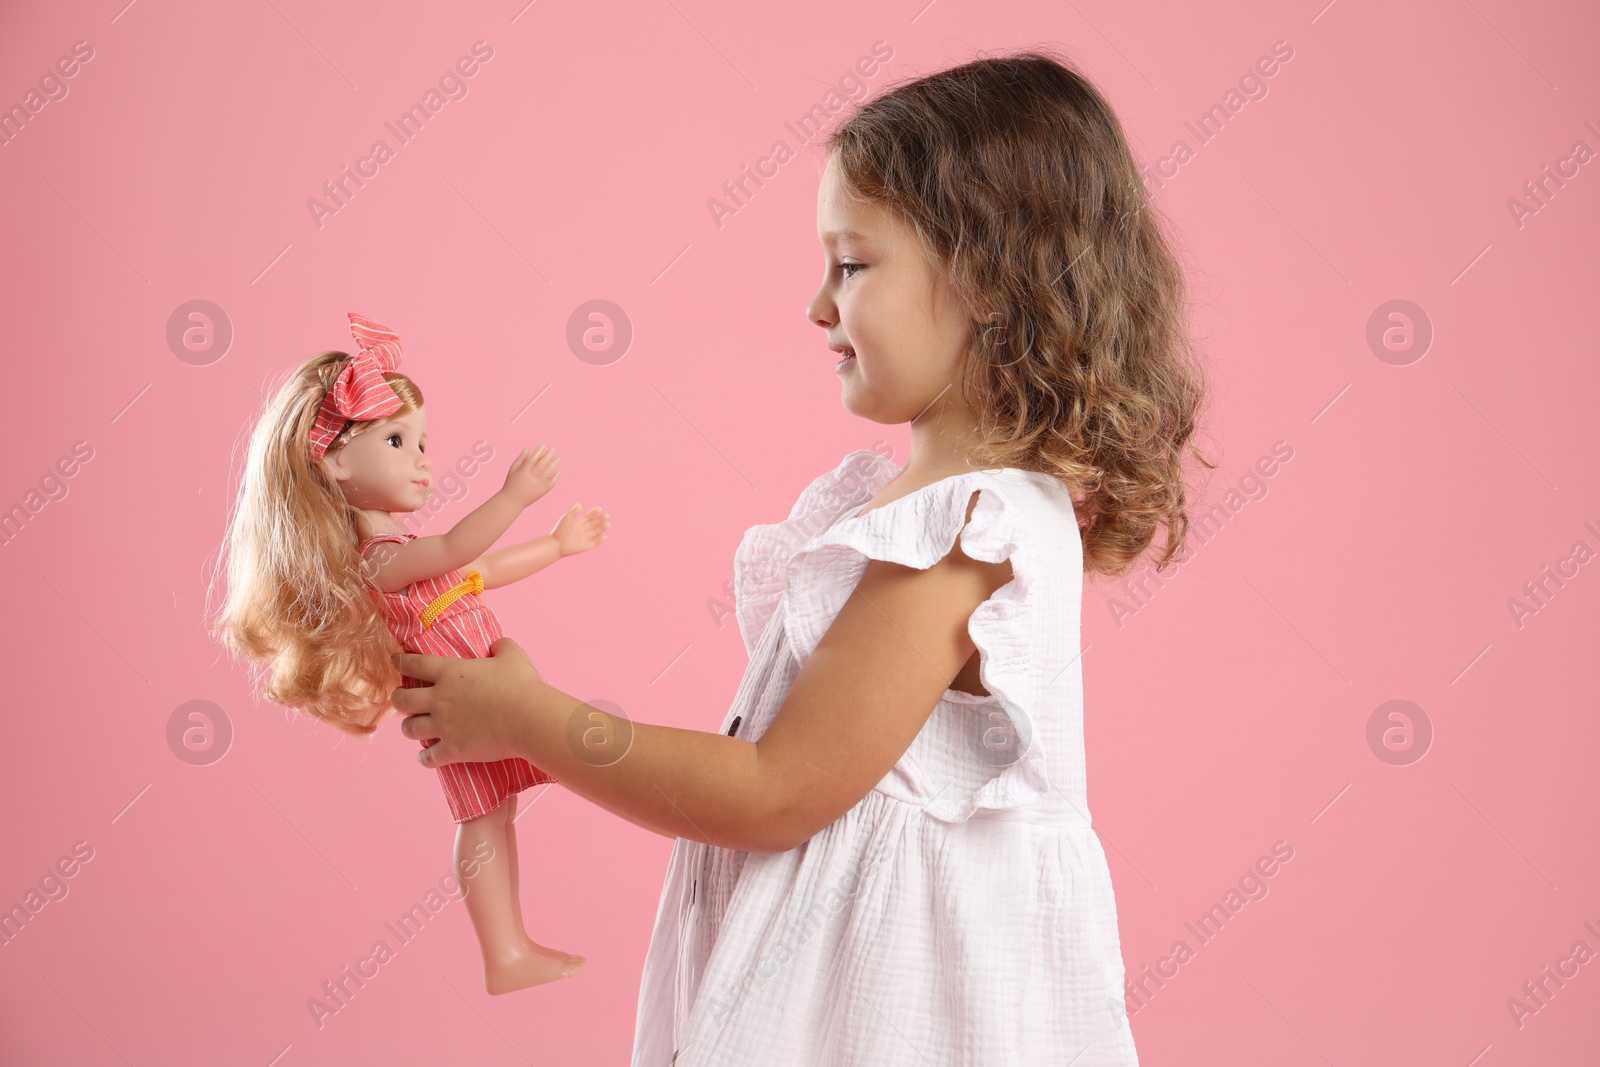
(361, 391)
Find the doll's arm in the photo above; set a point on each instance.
(574, 533)
(515, 562)
(393, 567)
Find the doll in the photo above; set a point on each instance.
(325, 585)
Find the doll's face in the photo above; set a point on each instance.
(888, 301)
(385, 467)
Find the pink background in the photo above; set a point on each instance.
(1229, 712)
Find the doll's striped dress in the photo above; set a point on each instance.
(464, 626)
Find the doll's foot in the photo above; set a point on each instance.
(533, 965)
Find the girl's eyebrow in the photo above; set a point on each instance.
(845, 235)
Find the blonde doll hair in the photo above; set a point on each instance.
(298, 600)
(1017, 177)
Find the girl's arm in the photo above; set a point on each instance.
(392, 567)
(852, 712)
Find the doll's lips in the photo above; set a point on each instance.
(418, 481)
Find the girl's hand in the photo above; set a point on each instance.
(579, 533)
(532, 476)
(476, 707)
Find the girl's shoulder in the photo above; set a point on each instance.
(1033, 501)
(994, 513)
(997, 514)
(1003, 507)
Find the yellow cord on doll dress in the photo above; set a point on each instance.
(472, 584)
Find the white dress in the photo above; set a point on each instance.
(961, 913)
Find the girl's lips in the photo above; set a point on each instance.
(847, 360)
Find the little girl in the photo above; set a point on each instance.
(342, 449)
(885, 855)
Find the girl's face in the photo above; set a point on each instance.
(884, 299)
(385, 467)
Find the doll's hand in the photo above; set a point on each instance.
(579, 533)
(476, 707)
(532, 475)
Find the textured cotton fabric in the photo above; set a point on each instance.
(961, 913)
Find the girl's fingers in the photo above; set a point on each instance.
(409, 701)
(419, 665)
(418, 727)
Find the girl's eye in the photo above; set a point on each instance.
(846, 268)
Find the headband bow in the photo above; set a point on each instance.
(361, 391)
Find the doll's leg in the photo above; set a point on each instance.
(509, 809)
(510, 960)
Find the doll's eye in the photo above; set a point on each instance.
(395, 438)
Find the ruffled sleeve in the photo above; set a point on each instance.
(760, 564)
(1024, 632)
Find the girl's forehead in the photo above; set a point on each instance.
(845, 217)
(850, 222)
(840, 209)
(839, 236)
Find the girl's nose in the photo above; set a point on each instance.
(820, 310)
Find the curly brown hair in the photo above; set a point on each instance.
(297, 595)
(1017, 177)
